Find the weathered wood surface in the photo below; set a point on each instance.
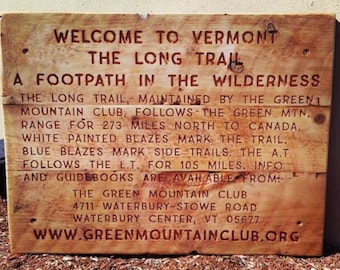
(167, 134)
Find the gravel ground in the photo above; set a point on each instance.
(331, 259)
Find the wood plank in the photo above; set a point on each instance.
(167, 134)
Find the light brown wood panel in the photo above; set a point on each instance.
(167, 134)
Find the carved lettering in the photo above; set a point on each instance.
(159, 133)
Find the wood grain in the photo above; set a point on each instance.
(167, 134)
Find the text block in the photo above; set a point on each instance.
(167, 134)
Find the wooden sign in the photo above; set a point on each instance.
(167, 134)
